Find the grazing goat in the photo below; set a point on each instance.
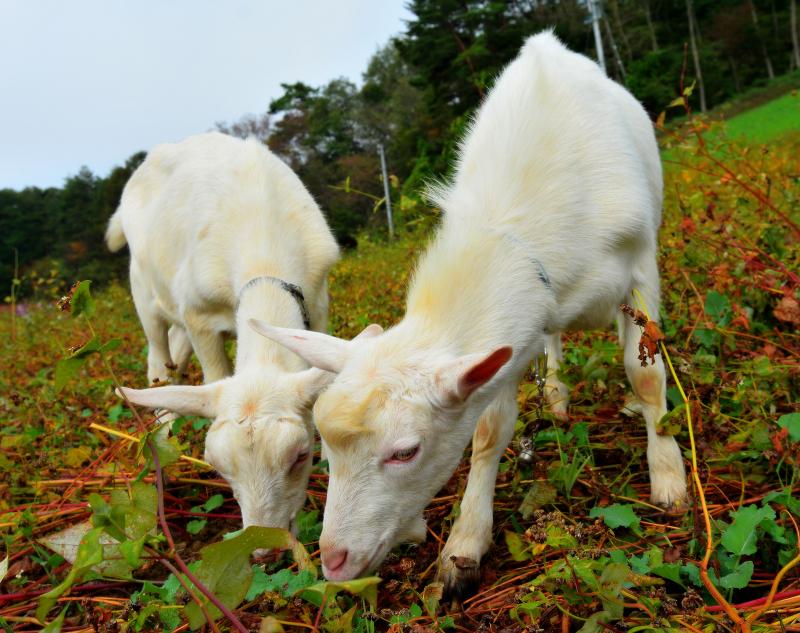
(550, 222)
(221, 231)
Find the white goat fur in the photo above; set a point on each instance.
(560, 171)
(203, 217)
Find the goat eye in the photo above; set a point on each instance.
(301, 459)
(404, 455)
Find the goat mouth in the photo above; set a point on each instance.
(375, 560)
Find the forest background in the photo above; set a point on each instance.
(415, 98)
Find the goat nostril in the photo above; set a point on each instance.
(334, 559)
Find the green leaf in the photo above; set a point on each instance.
(115, 412)
(672, 421)
(791, 421)
(226, 571)
(82, 302)
(718, 307)
(67, 367)
(611, 582)
(539, 494)
(309, 527)
(65, 370)
(195, 526)
(214, 502)
(616, 515)
(284, 582)
(55, 625)
(739, 538)
(90, 553)
(670, 571)
(168, 448)
(367, 588)
(516, 546)
(132, 550)
(739, 578)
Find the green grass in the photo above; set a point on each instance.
(769, 121)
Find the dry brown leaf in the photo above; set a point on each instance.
(788, 310)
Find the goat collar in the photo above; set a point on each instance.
(525, 246)
(293, 289)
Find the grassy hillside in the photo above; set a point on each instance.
(576, 543)
(768, 121)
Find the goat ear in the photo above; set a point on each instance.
(458, 379)
(183, 399)
(371, 331)
(311, 382)
(317, 349)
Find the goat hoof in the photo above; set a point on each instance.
(676, 507)
(460, 575)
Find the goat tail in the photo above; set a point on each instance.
(115, 236)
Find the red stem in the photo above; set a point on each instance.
(174, 554)
(757, 602)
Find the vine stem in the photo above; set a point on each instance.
(743, 625)
(178, 560)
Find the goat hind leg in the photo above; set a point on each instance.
(556, 392)
(667, 472)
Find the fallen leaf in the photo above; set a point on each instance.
(788, 310)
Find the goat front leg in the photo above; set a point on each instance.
(471, 535)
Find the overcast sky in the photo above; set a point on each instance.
(90, 82)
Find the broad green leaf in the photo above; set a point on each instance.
(284, 582)
(718, 307)
(66, 368)
(791, 421)
(616, 515)
(595, 623)
(558, 537)
(670, 571)
(132, 550)
(90, 553)
(516, 546)
(82, 302)
(367, 588)
(739, 538)
(739, 578)
(226, 571)
(168, 448)
(539, 494)
(612, 580)
(309, 527)
(671, 422)
(195, 526)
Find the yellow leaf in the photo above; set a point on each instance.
(77, 456)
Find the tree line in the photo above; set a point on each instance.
(416, 96)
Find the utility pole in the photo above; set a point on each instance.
(386, 194)
(594, 10)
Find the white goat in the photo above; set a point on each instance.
(550, 223)
(221, 231)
